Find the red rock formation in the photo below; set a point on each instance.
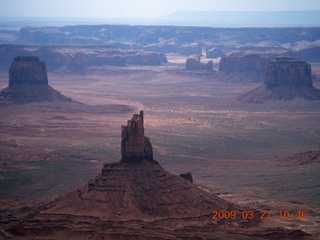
(28, 82)
(135, 146)
(286, 79)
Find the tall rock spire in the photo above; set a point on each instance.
(134, 145)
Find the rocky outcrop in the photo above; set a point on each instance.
(28, 82)
(135, 146)
(287, 78)
(194, 63)
(187, 176)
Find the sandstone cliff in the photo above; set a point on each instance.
(286, 78)
(28, 82)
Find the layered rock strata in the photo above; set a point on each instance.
(28, 82)
(286, 78)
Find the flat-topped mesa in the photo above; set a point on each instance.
(27, 69)
(28, 82)
(283, 71)
(135, 147)
(287, 78)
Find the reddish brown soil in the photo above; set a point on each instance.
(233, 150)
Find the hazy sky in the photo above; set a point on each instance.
(140, 8)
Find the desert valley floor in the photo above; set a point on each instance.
(237, 151)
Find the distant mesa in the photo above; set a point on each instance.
(243, 66)
(286, 78)
(194, 63)
(28, 82)
(244, 62)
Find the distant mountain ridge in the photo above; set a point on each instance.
(233, 19)
(245, 18)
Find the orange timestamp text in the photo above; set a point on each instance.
(254, 214)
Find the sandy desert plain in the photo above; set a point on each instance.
(235, 150)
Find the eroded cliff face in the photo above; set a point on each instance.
(283, 71)
(135, 146)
